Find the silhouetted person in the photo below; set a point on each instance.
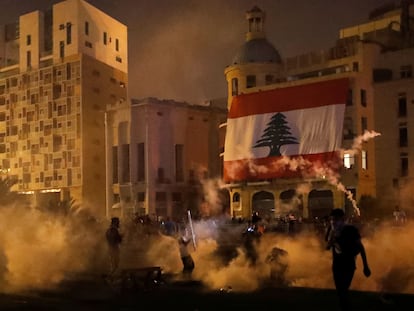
(345, 241)
(256, 218)
(251, 236)
(170, 227)
(186, 258)
(114, 240)
(278, 261)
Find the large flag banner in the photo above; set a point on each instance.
(285, 132)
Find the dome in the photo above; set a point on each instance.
(257, 51)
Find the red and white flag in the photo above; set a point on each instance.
(285, 132)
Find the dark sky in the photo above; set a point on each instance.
(178, 49)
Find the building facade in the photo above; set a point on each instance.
(63, 75)
(377, 57)
(174, 152)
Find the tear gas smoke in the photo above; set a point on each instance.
(388, 248)
(39, 250)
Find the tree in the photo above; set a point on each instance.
(7, 196)
(276, 134)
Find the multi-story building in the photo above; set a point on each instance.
(377, 57)
(63, 90)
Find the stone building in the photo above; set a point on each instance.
(378, 139)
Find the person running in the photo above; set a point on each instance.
(345, 242)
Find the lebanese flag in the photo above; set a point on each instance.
(286, 132)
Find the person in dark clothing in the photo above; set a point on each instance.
(251, 237)
(114, 240)
(170, 227)
(345, 242)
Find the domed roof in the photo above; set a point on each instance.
(257, 51)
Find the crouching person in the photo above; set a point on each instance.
(278, 262)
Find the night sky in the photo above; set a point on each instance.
(178, 49)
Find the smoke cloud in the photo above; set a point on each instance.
(39, 251)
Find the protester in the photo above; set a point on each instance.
(170, 227)
(399, 216)
(114, 240)
(186, 258)
(251, 237)
(345, 241)
(278, 262)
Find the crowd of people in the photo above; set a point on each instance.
(341, 234)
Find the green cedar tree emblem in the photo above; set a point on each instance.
(276, 134)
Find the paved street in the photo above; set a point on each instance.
(95, 294)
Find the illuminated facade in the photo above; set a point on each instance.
(378, 58)
(63, 87)
(174, 148)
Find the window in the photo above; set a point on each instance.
(250, 81)
(141, 162)
(116, 44)
(125, 163)
(176, 197)
(68, 33)
(363, 97)
(86, 28)
(355, 66)
(364, 124)
(404, 166)
(160, 196)
(403, 137)
(105, 38)
(406, 71)
(141, 196)
(364, 160)
(349, 160)
(28, 40)
(402, 105)
(179, 163)
(62, 49)
(29, 59)
(160, 175)
(234, 87)
(236, 201)
(115, 164)
(348, 128)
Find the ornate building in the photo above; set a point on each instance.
(378, 138)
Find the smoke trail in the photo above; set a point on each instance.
(367, 135)
(310, 169)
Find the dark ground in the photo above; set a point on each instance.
(94, 293)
